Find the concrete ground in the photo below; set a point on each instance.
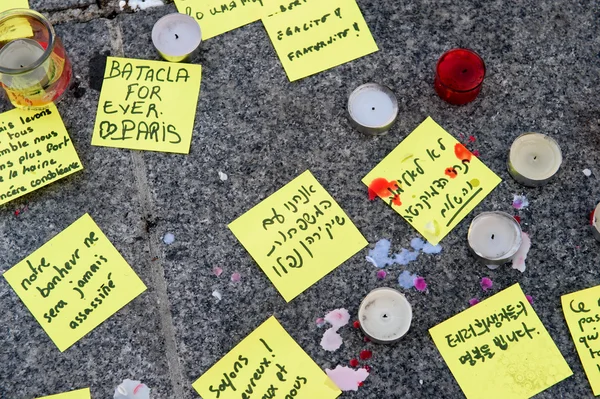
(262, 131)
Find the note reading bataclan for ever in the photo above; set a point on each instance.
(74, 282)
(431, 180)
(500, 349)
(298, 235)
(147, 105)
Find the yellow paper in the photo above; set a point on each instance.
(74, 282)
(582, 313)
(147, 105)
(298, 235)
(500, 349)
(78, 394)
(10, 4)
(431, 180)
(35, 150)
(318, 36)
(17, 27)
(268, 363)
(219, 16)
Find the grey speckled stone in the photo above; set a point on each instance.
(58, 5)
(543, 75)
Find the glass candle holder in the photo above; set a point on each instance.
(459, 75)
(34, 68)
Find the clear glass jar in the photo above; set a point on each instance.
(34, 68)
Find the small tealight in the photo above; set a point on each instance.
(176, 37)
(533, 159)
(385, 315)
(596, 223)
(372, 108)
(494, 238)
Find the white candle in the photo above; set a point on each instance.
(385, 315)
(494, 237)
(533, 159)
(23, 55)
(176, 36)
(373, 108)
(596, 223)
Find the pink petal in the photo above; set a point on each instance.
(420, 284)
(486, 283)
(331, 340)
(338, 318)
(320, 322)
(217, 271)
(235, 277)
(529, 299)
(346, 378)
(381, 274)
(473, 301)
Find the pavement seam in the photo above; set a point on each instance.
(158, 273)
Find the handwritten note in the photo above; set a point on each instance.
(431, 180)
(310, 38)
(35, 150)
(147, 105)
(219, 16)
(500, 349)
(78, 394)
(298, 235)
(582, 313)
(268, 363)
(74, 282)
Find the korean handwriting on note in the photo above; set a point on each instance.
(298, 235)
(78, 394)
(147, 105)
(431, 180)
(219, 16)
(502, 345)
(582, 313)
(74, 282)
(318, 35)
(35, 150)
(268, 363)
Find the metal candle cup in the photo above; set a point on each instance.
(494, 237)
(385, 315)
(533, 159)
(34, 68)
(596, 223)
(459, 74)
(176, 37)
(372, 109)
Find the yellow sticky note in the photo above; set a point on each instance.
(582, 313)
(268, 363)
(431, 180)
(279, 6)
(318, 36)
(500, 349)
(219, 16)
(10, 4)
(17, 27)
(147, 105)
(298, 235)
(74, 282)
(35, 150)
(78, 394)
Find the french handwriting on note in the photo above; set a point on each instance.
(500, 349)
(35, 150)
(431, 180)
(582, 313)
(310, 37)
(147, 105)
(268, 363)
(74, 282)
(298, 235)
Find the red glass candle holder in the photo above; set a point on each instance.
(459, 75)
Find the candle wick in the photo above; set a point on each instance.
(534, 157)
(373, 109)
(176, 36)
(492, 236)
(464, 70)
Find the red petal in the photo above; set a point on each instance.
(396, 201)
(365, 355)
(356, 324)
(462, 153)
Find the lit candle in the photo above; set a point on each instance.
(533, 159)
(385, 315)
(373, 108)
(596, 223)
(176, 37)
(494, 237)
(459, 75)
